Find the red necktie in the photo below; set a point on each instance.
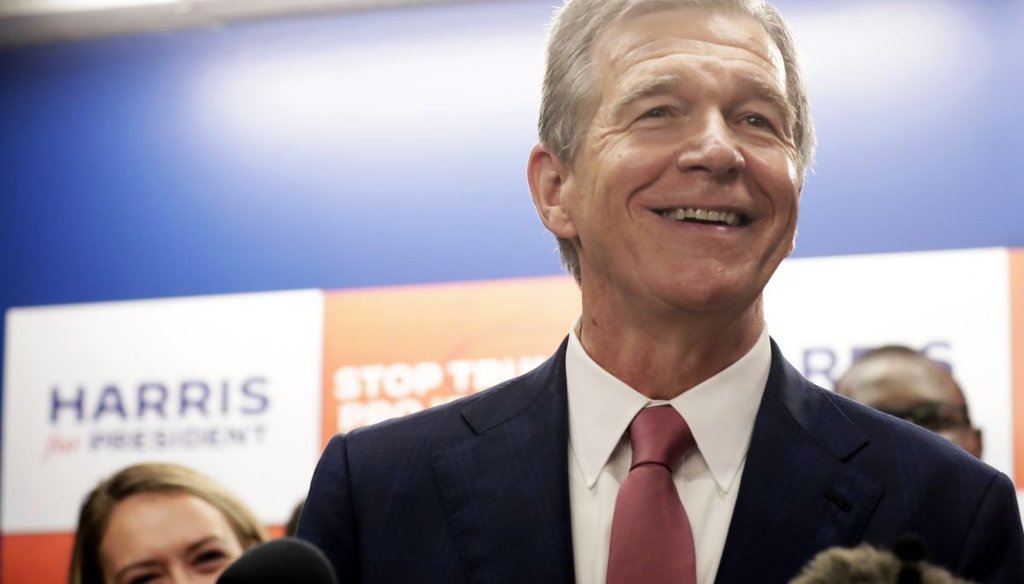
(651, 538)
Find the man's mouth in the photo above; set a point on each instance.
(706, 216)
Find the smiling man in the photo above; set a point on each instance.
(667, 440)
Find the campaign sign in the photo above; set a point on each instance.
(228, 385)
(248, 388)
(389, 352)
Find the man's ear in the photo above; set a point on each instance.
(550, 186)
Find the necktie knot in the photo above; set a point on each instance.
(659, 435)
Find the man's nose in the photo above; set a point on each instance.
(710, 146)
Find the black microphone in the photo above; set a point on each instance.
(910, 550)
(287, 559)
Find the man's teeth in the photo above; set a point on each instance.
(683, 213)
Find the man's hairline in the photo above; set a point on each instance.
(590, 102)
(912, 362)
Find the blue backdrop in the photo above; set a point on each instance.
(389, 147)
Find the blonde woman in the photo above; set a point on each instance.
(159, 523)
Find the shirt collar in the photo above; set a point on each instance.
(720, 411)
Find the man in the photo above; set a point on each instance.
(904, 383)
(674, 140)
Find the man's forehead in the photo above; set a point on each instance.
(694, 29)
(902, 378)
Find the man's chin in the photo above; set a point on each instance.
(710, 299)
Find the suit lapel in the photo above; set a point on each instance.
(797, 497)
(506, 489)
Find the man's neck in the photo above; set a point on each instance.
(662, 358)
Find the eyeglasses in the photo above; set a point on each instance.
(934, 415)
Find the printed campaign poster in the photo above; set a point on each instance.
(228, 385)
(248, 388)
(394, 351)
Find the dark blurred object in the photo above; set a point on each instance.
(910, 551)
(282, 560)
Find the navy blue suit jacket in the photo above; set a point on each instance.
(477, 491)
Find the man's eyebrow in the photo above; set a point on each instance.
(662, 84)
(770, 93)
(650, 86)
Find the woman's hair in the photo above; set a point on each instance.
(94, 515)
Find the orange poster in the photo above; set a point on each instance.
(394, 351)
(37, 557)
(1017, 361)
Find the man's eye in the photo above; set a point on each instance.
(758, 121)
(658, 112)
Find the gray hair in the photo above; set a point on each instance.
(567, 100)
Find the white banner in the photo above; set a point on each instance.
(233, 385)
(953, 305)
(229, 385)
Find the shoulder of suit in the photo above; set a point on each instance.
(904, 443)
(449, 420)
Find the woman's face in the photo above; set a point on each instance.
(165, 538)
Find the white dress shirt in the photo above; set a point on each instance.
(720, 412)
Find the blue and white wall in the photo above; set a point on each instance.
(388, 147)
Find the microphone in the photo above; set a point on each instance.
(910, 551)
(287, 559)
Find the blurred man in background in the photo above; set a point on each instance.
(905, 383)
